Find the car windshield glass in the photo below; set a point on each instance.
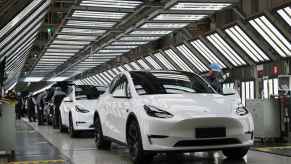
(147, 83)
(86, 92)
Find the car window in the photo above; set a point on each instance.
(121, 89)
(168, 83)
(113, 83)
(86, 92)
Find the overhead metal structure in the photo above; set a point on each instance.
(17, 37)
(171, 55)
(247, 44)
(154, 64)
(164, 61)
(272, 35)
(192, 58)
(250, 41)
(107, 28)
(75, 34)
(206, 52)
(285, 13)
(226, 50)
(84, 25)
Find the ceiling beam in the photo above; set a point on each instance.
(92, 19)
(194, 12)
(103, 9)
(95, 28)
(210, 1)
(130, 21)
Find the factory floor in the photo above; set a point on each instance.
(43, 144)
(32, 147)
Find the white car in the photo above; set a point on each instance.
(171, 111)
(77, 109)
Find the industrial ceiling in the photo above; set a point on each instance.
(95, 32)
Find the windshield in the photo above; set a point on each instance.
(86, 92)
(147, 83)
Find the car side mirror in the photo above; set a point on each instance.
(228, 91)
(68, 99)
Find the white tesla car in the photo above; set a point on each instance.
(169, 111)
(77, 109)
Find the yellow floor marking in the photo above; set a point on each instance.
(269, 148)
(38, 162)
(263, 149)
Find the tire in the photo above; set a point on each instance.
(134, 142)
(71, 129)
(54, 120)
(63, 129)
(101, 143)
(236, 153)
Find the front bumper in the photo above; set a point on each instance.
(82, 125)
(179, 135)
(84, 121)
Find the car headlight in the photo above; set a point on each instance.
(81, 110)
(156, 112)
(241, 110)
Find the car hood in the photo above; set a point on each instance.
(87, 104)
(185, 104)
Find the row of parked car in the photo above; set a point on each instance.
(160, 111)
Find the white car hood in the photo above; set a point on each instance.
(87, 104)
(185, 104)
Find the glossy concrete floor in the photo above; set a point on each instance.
(32, 146)
(82, 151)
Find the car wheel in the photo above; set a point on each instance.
(101, 143)
(62, 127)
(72, 131)
(236, 153)
(134, 142)
(55, 121)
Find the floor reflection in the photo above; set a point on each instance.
(195, 158)
(83, 150)
(176, 158)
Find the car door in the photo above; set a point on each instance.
(107, 109)
(121, 98)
